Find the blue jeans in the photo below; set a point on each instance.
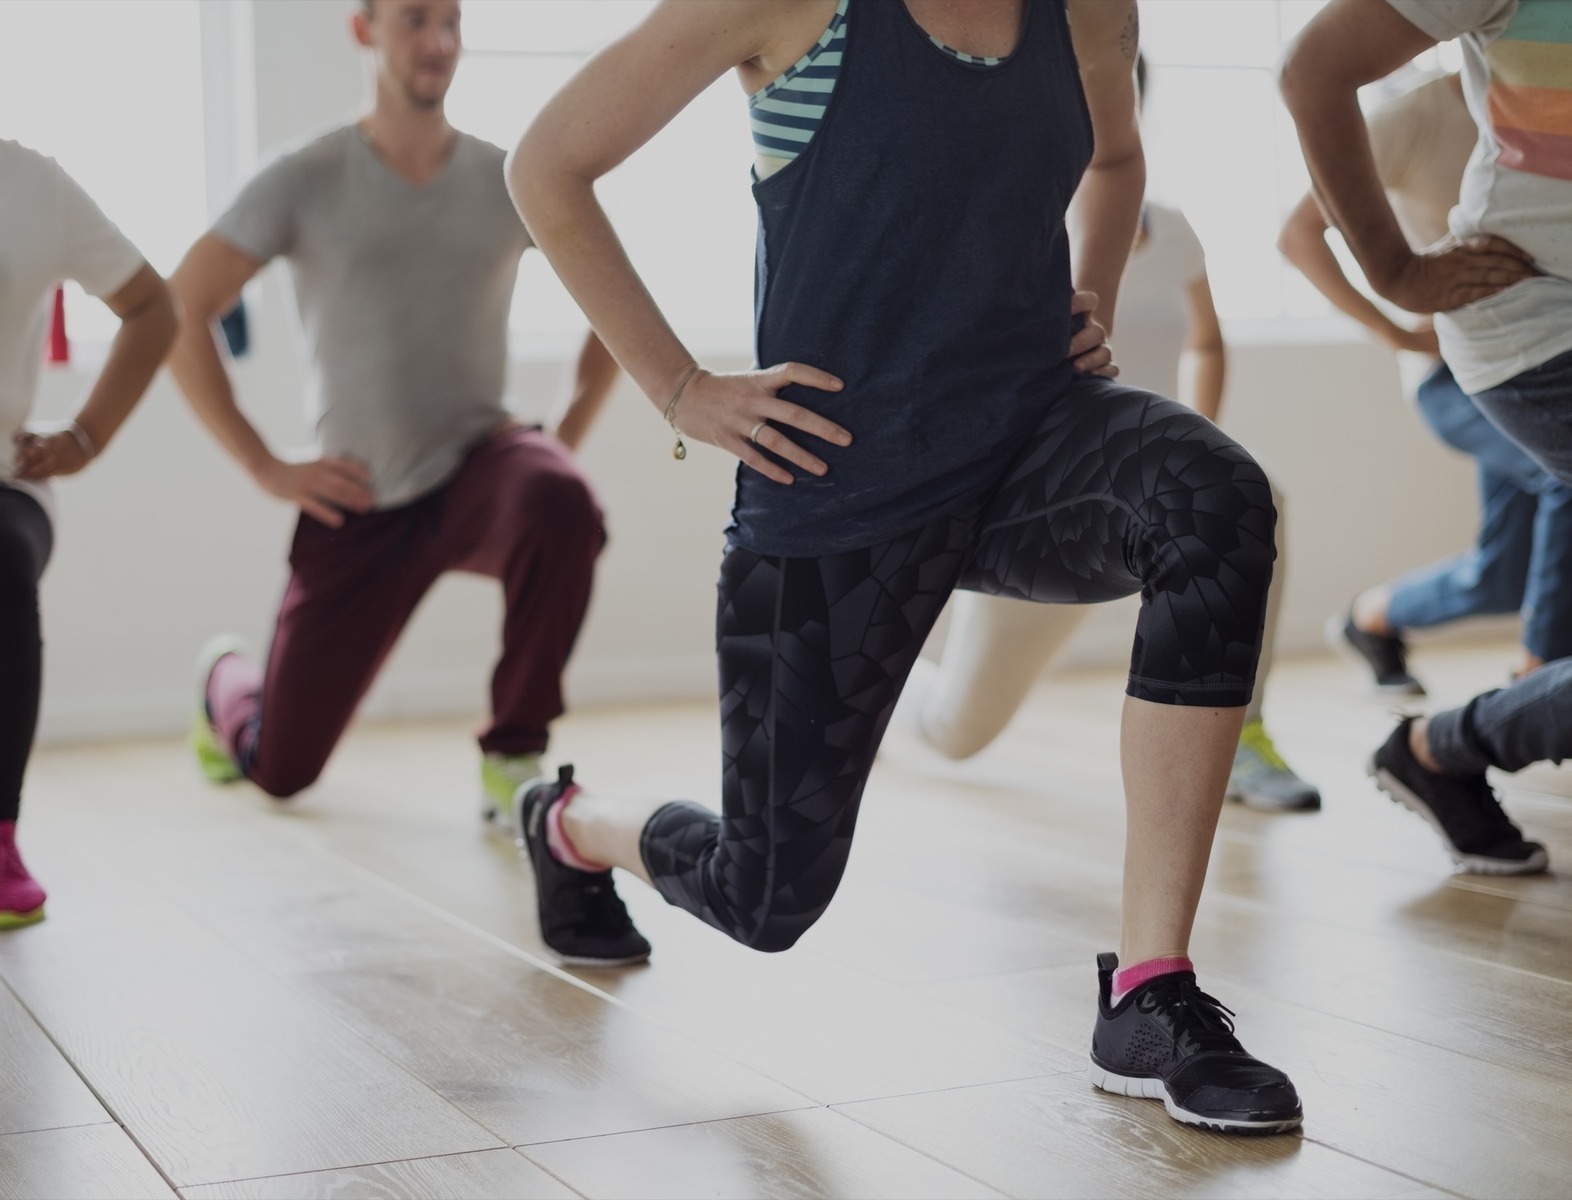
(1521, 560)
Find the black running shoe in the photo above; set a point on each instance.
(581, 916)
(1387, 657)
(1464, 810)
(1168, 1040)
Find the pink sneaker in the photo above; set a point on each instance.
(21, 899)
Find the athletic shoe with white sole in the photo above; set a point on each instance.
(581, 916)
(1168, 1040)
(1260, 779)
(502, 779)
(1463, 809)
(212, 759)
(1385, 655)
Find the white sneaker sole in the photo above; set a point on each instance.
(1153, 1089)
(1467, 864)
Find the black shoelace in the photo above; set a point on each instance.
(1203, 1021)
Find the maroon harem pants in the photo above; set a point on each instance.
(517, 510)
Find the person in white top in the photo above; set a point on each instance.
(1521, 560)
(1500, 287)
(51, 231)
(997, 647)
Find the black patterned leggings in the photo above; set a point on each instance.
(25, 542)
(1117, 491)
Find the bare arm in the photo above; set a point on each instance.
(593, 378)
(1205, 355)
(1303, 243)
(147, 327)
(1107, 205)
(207, 283)
(1350, 43)
(619, 100)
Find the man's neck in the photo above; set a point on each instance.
(414, 143)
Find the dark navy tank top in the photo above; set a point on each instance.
(917, 250)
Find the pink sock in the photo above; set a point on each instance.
(1127, 979)
(558, 842)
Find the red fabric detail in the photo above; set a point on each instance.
(59, 348)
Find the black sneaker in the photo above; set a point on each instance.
(1464, 810)
(1168, 1040)
(1386, 656)
(581, 916)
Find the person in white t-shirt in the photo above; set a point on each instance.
(1500, 288)
(997, 647)
(51, 231)
(1521, 560)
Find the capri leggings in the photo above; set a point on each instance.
(25, 543)
(1116, 491)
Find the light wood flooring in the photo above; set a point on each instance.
(347, 996)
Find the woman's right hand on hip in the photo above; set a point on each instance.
(743, 415)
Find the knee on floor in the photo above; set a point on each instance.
(283, 785)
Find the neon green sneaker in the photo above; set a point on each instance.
(212, 759)
(1262, 780)
(502, 777)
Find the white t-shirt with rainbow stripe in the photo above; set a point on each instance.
(1517, 79)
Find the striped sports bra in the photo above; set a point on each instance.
(785, 113)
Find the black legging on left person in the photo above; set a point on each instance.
(25, 543)
(1116, 491)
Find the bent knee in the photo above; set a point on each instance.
(773, 938)
(563, 496)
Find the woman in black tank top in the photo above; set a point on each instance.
(922, 430)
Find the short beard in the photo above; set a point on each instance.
(424, 103)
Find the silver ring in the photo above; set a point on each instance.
(753, 434)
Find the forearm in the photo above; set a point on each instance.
(1305, 246)
(1203, 372)
(1103, 220)
(198, 368)
(595, 373)
(135, 354)
(566, 221)
(1320, 80)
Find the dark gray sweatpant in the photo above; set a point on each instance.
(1508, 728)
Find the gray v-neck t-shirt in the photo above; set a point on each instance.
(403, 294)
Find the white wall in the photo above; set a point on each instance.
(163, 542)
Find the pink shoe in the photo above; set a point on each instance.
(21, 899)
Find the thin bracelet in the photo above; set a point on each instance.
(84, 442)
(679, 451)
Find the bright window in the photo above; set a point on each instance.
(682, 204)
(1221, 146)
(113, 90)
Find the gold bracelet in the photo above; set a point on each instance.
(679, 451)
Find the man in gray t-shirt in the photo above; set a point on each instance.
(403, 291)
(403, 249)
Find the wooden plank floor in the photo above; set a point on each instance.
(347, 996)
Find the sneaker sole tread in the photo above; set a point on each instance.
(1148, 1088)
(1471, 864)
(16, 920)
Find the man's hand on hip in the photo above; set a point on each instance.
(324, 488)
